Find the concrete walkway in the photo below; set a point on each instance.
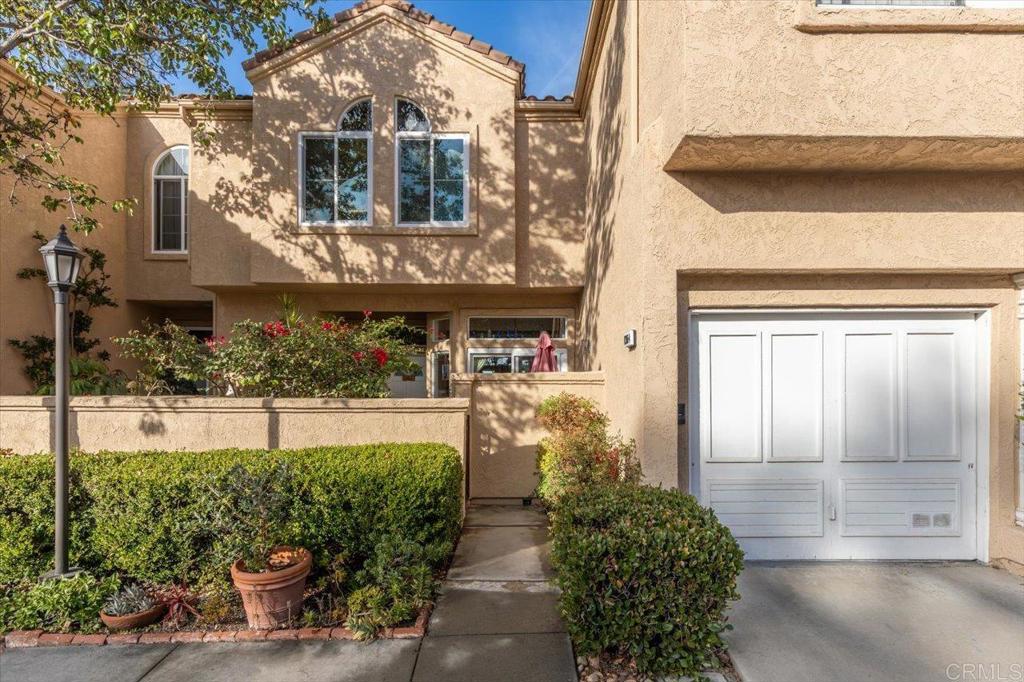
(495, 620)
(897, 622)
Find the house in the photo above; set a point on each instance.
(790, 233)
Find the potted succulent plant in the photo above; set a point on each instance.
(251, 513)
(131, 607)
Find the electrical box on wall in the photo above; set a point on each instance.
(629, 339)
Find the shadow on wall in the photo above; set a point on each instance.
(410, 67)
(604, 133)
(858, 192)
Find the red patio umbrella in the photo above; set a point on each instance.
(544, 360)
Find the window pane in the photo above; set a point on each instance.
(492, 364)
(353, 179)
(414, 181)
(449, 170)
(174, 162)
(358, 117)
(317, 167)
(515, 327)
(168, 219)
(410, 118)
(184, 218)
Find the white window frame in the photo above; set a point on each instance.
(430, 135)
(561, 355)
(154, 214)
(564, 318)
(336, 135)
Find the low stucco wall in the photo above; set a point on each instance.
(503, 429)
(197, 423)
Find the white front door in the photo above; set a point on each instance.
(839, 436)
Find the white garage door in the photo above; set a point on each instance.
(839, 436)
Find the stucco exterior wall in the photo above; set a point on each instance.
(386, 56)
(504, 431)
(153, 276)
(751, 67)
(195, 424)
(26, 307)
(800, 239)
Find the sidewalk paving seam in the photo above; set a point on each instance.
(158, 663)
(500, 634)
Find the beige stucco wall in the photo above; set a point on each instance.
(26, 307)
(153, 276)
(503, 429)
(194, 424)
(386, 56)
(791, 239)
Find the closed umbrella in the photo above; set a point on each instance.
(544, 360)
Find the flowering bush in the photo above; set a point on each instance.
(579, 452)
(287, 357)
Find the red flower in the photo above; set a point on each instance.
(367, 313)
(359, 355)
(327, 326)
(381, 356)
(275, 329)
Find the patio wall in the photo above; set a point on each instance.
(198, 423)
(503, 429)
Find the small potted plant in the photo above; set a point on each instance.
(131, 607)
(251, 512)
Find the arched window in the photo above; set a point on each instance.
(432, 169)
(170, 201)
(336, 172)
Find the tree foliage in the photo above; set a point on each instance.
(75, 56)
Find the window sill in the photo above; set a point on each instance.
(814, 18)
(388, 230)
(171, 256)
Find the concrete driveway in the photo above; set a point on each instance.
(858, 622)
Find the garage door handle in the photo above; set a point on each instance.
(831, 512)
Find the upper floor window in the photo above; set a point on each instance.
(170, 201)
(335, 171)
(432, 169)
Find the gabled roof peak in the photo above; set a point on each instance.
(409, 9)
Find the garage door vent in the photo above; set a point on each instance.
(942, 520)
(921, 521)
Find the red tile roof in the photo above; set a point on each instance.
(402, 6)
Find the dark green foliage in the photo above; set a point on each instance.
(56, 605)
(91, 290)
(644, 572)
(398, 581)
(150, 516)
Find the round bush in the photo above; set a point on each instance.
(644, 572)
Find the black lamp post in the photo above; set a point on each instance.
(62, 260)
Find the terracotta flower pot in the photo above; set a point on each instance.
(134, 620)
(271, 598)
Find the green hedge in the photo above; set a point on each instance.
(644, 572)
(145, 516)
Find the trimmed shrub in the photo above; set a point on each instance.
(57, 605)
(646, 573)
(150, 516)
(579, 452)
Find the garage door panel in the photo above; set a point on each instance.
(734, 398)
(795, 397)
(870, 397)
(752, 508)
(900, 507)
(933, 416)
(840, 436)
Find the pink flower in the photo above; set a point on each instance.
(367, 313)
(381, 356)
(359, 355)
(275, 329)
(327, 326)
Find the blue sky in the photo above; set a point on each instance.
(546, 35)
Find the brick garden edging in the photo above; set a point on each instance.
(33, 638)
